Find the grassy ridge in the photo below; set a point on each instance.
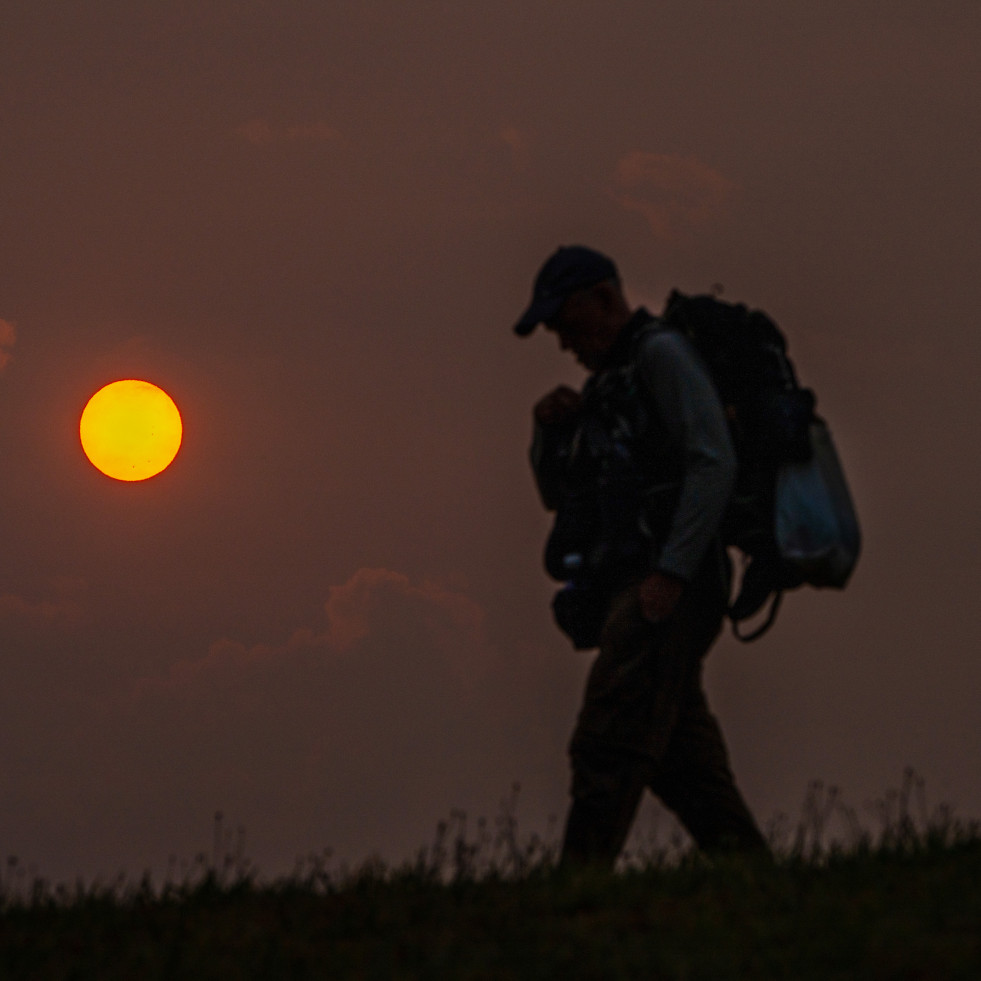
(903, 904)
(909, 910)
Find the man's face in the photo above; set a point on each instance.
(583, 326)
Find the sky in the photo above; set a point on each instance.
(314, 225)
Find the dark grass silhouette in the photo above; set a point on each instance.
(900, 900)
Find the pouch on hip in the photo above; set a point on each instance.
(580, 611)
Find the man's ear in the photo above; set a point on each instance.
(611, 299)
(607, 294)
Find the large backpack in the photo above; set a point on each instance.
(791, 514)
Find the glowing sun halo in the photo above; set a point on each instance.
(130, 430)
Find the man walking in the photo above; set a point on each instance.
(639, 468)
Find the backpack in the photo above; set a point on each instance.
(791, 514)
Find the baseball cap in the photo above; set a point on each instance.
(570, 268)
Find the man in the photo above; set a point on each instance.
(647, 444)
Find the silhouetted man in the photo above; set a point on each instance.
(639, 468)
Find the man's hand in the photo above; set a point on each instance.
(560, 405)
(659, 595)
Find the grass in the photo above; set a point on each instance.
(837, 901)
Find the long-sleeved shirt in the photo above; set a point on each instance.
(684, 438)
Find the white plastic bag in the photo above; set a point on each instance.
(816, 525)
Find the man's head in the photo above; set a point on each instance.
(578, 296)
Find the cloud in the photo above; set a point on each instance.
(354, 609)
(228, 665)
(260, 132)
(674, 194)
(64, 608)
(358, 732)
(376, 615)
(7, 338)
(392, 709)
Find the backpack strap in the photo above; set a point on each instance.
(765, 626)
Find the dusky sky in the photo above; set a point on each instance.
(313, 225)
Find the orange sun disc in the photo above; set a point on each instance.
(130, 430)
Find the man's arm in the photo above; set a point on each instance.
(689, 409)
(554, 416)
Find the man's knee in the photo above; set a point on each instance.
(606, 789)
(602, 772)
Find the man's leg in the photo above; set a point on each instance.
(696, 782)
(635, 695)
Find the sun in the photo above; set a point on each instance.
(131, 430)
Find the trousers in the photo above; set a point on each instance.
(645, 724)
